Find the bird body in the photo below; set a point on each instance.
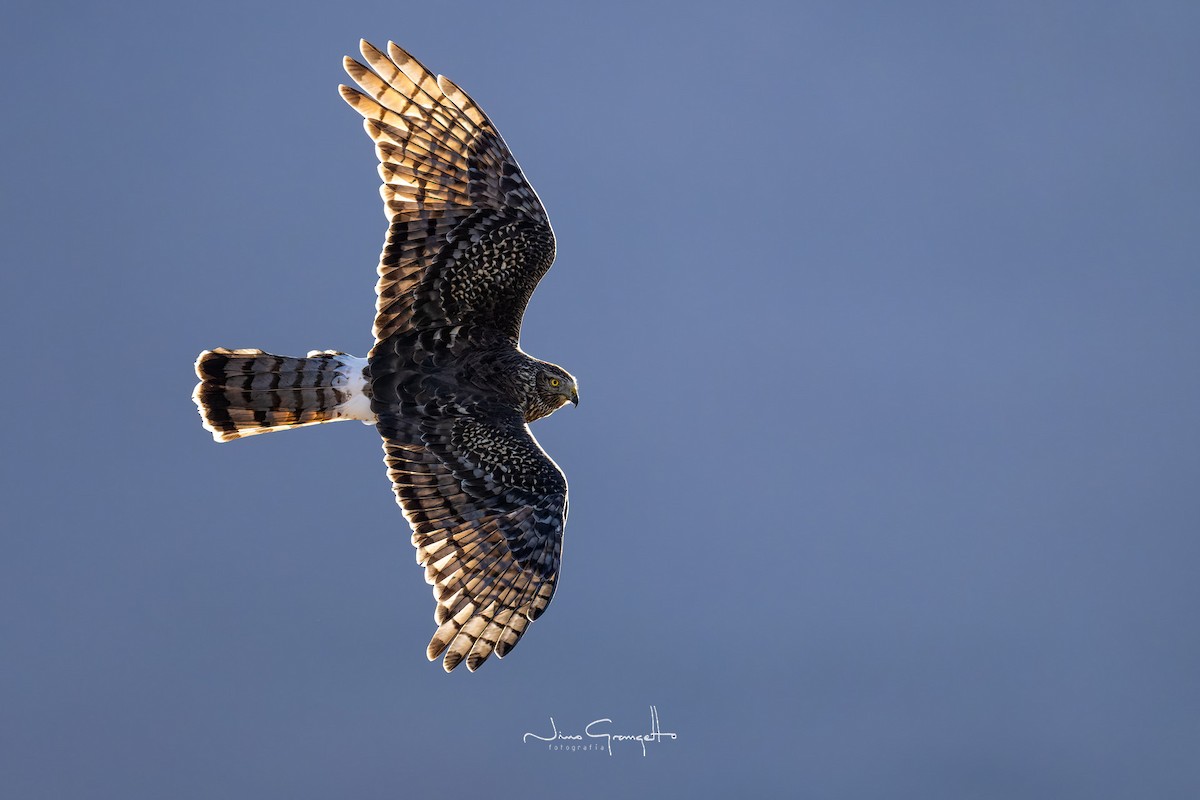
(460, 370)
(446, 383)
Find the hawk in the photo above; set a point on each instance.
(446, 383)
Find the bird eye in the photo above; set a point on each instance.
(555, 382)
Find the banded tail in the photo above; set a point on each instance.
(247, 392)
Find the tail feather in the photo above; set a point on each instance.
(248, 392)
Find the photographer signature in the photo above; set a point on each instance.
(596, 729)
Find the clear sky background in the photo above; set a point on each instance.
(886, 478)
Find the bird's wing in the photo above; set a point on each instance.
(487, 508)
(468, 238)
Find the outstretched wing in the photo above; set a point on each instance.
(468, 238)
(487, 508)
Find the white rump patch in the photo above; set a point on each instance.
(350, 380)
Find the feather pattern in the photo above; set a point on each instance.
(461, 212)
(247, 392)
(491, 551)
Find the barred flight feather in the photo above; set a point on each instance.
(247, 392)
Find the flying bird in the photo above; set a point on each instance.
(446, 383)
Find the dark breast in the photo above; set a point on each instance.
(447, 371)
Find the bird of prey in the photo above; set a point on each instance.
(446, 383)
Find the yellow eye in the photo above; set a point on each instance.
(555, 382)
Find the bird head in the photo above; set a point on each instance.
(554, 388)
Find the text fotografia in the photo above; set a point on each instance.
(598, 735)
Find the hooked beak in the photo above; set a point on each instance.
(575, 397)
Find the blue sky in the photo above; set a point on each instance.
(884, 478)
